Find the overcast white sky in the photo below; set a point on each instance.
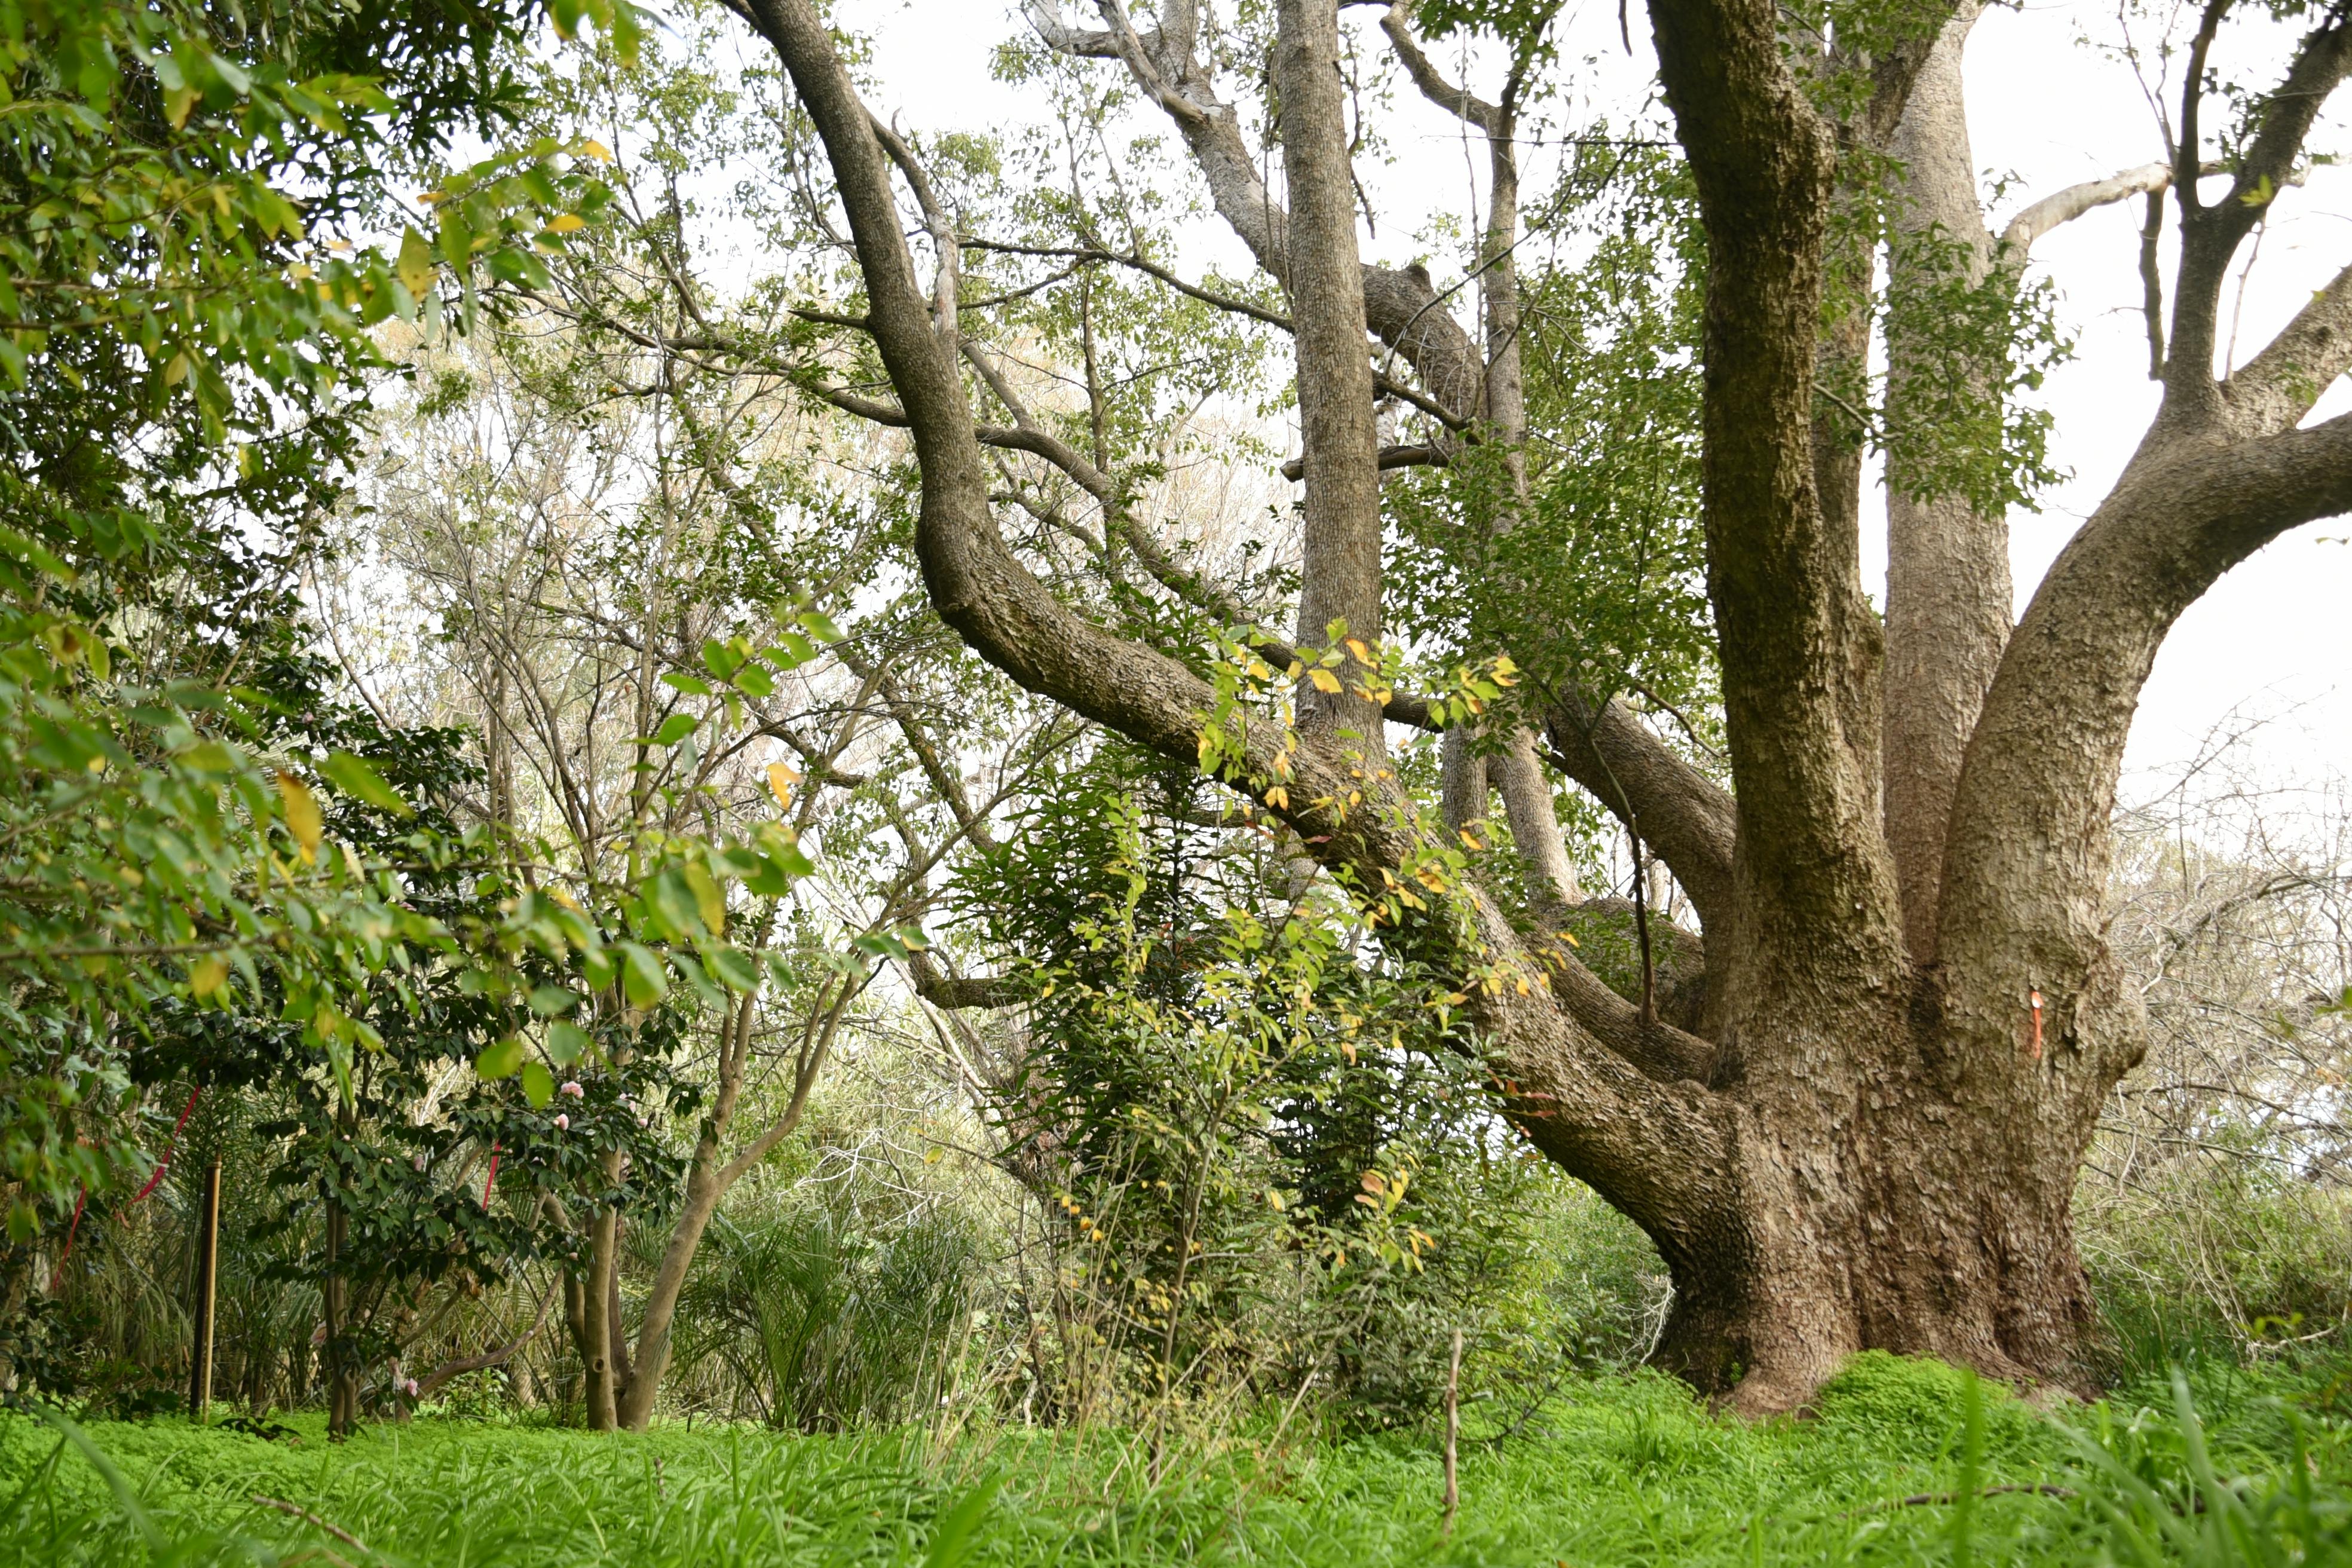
(2047, 111)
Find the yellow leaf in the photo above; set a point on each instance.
(569, 223)
(416, 264)
(1324, 681)
(1570, 937)
(781, 780)
(1364, 655)
(1277, 797)
(595, 150)
(206, 976)
(301, 814)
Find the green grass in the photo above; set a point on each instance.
(1622, 1472)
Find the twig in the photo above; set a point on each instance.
(304, 1514)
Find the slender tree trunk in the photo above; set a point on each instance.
(597, 1298)
(342, 1379)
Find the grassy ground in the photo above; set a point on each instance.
(1621, 1471)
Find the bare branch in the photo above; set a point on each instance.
(1411, 456)
(1458, 101)
(2066, 205)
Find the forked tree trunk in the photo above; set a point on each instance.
(1874, 1142)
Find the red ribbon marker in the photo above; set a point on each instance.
(494, 1177)
(2037, 1023)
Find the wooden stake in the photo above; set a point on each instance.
(1452, 1430)
(200, 1359)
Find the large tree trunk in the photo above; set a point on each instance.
(1901, 1223)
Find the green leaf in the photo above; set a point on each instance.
(549, 1001)
(357, 779)
(644, 980)
(692, 685)
(731, 969)
(709, 901)
(566, 1043)
(538, 1085)
(676, 728)
(500, 1061)
(721, 659)
(820, 625)
(669, 897)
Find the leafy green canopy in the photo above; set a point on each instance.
(185, 303)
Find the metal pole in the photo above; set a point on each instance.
(200, 1360)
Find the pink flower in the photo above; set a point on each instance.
(575, 1090)
(564, 1122)
(420, 1162)
(409, 1388)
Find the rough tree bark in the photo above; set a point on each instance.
(1875, 1142)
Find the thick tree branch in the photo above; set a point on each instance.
(2029, 825)
(954, 992)
(2274, 390)
(1792, 640)
(2064, 206)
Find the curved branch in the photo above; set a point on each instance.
(1460, 102)
(430, 1383)
(2029, 842)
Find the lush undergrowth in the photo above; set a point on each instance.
(1900, 1463)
